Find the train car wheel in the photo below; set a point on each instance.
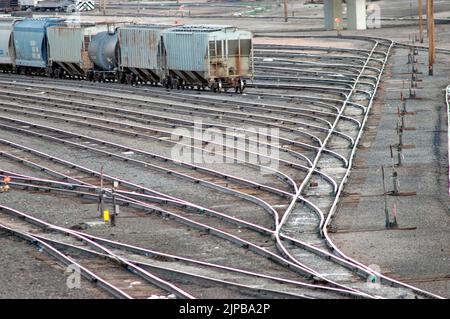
(129, 79)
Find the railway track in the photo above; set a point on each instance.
(239, 236)
(114, 266)
(319, 133)
(113, 273)
(248, 283)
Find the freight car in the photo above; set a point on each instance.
(208, 55)
(104, 53)
(68, 49)
(31, 45)
(7, 54)
(218, 57)
(142, 55)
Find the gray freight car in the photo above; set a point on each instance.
(68, 48)
(219, 57)
(7, 53)
(142, 55)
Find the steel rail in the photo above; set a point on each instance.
(83, 191)
(256, 200)
(322, 74)
(40, 111)
(286, 215)
(127, 159)
(155, 92)
(268, 108)
(245, 289)
(250, 121)
(297, 96)
(209, 99)
(324, 226)
(154, 280)
(293, 53)
(324, 230)
(67, 261)
(324, 254)
(296, 131)
(310, 64)
(167, 159)
(303, 184)
(284, 178)
(147, 253)
(144, 190)
(29, 132)
(304, 246)
(280, 120)
(299, 268)
(300, 79)
(328, 49)
(238, 242)
(189, 224)
(153, 194)
(305, 87)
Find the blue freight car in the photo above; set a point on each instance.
(30, 43)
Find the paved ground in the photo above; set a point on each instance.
(421, 255)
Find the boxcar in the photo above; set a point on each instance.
(68, 48)
(7, 55)
(208, 55)
(30, 43)
(142, 55)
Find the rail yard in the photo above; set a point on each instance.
(282, 162)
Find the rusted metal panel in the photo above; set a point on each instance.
(69, 43)
(6, 43)
(140, 46)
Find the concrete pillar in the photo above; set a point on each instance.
(356, 14)
(333, 14)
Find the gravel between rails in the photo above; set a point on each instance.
(161, 182)
(35, 275)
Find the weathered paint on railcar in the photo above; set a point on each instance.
(141, 47)
(142, 56)
(68, 46)
(30, 41)
(7, 55)
(207, 52)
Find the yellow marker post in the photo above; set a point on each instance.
(106, 216)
